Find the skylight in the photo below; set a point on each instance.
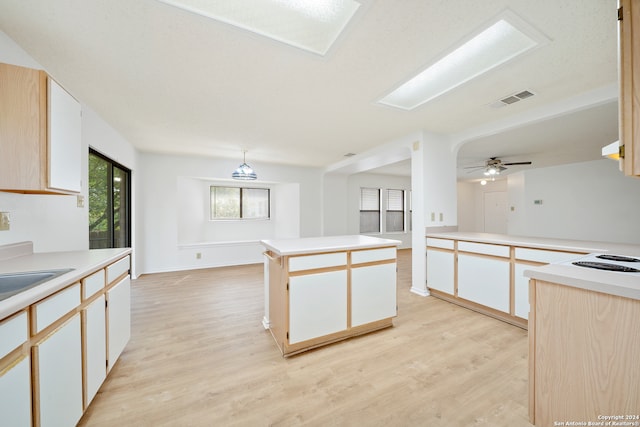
(312, 25)
(503, 41)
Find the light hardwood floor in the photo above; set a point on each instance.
(199, 356)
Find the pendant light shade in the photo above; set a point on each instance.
(244, 171)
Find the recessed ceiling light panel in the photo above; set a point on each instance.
(312, 25)
(504, 40)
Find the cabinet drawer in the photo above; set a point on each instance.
(371, 255)
(309, 262)
(13, 333)
(117, 269)
(54, 307)
(544, 256)
(440, 243)
(92, 284)
(483, 248)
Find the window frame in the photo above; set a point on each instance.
(125, 205)
(241, 189)
(379, 210)
(403, 195)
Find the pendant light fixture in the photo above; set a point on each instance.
(244, 171)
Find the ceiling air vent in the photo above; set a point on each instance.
(512, 99)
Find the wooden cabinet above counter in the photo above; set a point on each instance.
(629, 35)
(40, 134)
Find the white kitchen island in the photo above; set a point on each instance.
(324, 289)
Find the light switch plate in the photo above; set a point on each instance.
(5, 223)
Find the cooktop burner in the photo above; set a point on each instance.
(619, 258)
(606, 266)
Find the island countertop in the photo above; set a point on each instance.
(308, 245)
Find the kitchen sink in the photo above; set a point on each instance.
(13, 283)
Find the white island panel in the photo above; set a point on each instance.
(317, 305)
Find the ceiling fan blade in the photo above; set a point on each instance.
(473, 167)
(517, 163)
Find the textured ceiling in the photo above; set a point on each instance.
(175, 82)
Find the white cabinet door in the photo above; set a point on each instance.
(484, 281)
(373, 293)
(440, 271)
(521, 291)
(65, 143)
(317, 305)
(119, 319)
(95, 348)
(58, 359)
(15, 394)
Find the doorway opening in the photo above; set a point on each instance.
(109, 203)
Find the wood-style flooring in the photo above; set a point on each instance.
(199, 356)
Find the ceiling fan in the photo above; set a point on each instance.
(493, 166)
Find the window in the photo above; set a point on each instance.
(395, 211)
(369, 210)
(109, 203)
(239, 203)
(410, 220)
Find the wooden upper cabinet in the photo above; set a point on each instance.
(629, 19)
(40, 134)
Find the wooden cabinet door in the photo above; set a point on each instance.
(630, 86)
(484, 280)
(440, 271)
(22, 94)
(94, 341)
(373, 293)
(521, 290)
(317, 305)
(65, 140)
(15, 390)
(58, 376)
(119, 319)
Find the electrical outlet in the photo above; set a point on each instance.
(433, 216)
(198, 255)
(441, 217)
(5, 223)
(80, 201)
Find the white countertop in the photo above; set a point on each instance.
(82, 262)
(583, 246)
(609, 282)
(307, 245)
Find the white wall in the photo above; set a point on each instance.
(52, 222)
(366, 180)
(440, 192)
(582, 201)
(173, 191)
(334, 204)
(471, 203)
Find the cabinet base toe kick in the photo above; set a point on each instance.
(488, 311)
(288, 350)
